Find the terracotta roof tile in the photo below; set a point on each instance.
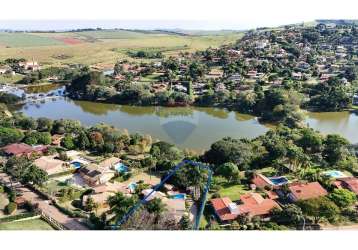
(305, 191)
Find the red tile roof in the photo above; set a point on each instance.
(305, 191)
(17, 149)
(261, 181)
(255, 205)
(350, 183)
(221, 207)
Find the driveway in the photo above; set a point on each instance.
(44, 205)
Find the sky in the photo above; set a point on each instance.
(186, 14)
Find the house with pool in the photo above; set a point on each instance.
(261, 181)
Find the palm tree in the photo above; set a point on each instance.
(120, 205)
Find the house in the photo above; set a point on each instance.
(175, 208)
(305, 191)
(50, 165)
(152, 194)
(95, 175)
(22, 149)
(30, 65)
(102, 192)
(261, 181)
(109, 163)
(253, 204)
(350, 183)
(99, 198)
(225, 209)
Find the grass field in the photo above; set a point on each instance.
(101, 48)
(233, 191)
(26, 40)
(33, 224)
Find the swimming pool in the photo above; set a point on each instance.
(121, 168)
(178, 196)
(76, 164)
(278, 181)
(334, 174)
(132, 187)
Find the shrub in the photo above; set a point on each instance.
(10, 208)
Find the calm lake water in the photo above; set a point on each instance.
(187, 127)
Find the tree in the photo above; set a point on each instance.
(290, 214)
(68, 142)
(10, 135)
(236, 151)
(228, 170)
(343, 197)
(35, 175)
(310, 141)
(82, 141)
(155, 206)
(335, 149)
(120, 204)
(44, 124)
(185, 223)
(90, 205)
(319, 208)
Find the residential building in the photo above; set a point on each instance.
(305, 191)
(253, 204)
(50, 165)
(225, 209)
(22, 149)
(95, 175)
(350, 183)
(261, 181)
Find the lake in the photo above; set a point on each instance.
(187, 127)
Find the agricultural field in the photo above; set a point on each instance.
(102, 48)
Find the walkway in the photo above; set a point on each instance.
(43, 205)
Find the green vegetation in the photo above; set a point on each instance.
(33, 224)
(19, 40)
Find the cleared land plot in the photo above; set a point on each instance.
(17, 40)
(105, 47)
(33, 224)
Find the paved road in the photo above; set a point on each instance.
(44, 205)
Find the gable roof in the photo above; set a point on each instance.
(350, 183)
(305, 191)
(221, 207)
(255, 205)
(17, 148)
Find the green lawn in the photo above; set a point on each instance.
(34, 224)
(10, 78)
(233, 191)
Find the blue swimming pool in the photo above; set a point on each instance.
(178, 196)
(334, 174)
(76, 164)
(279, 180)
(132, 187)
(121, 168)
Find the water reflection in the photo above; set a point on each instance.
(188, 127)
